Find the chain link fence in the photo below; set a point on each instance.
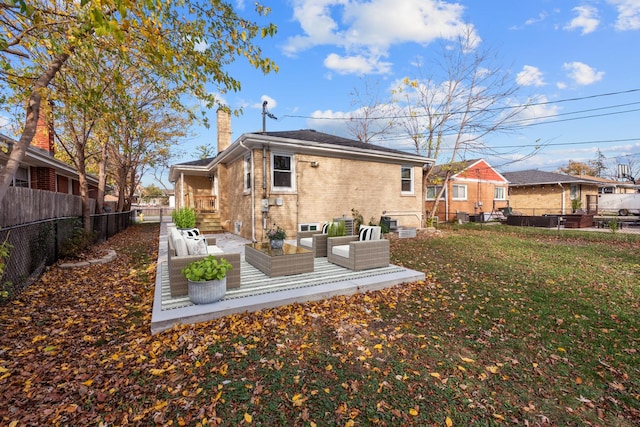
(31, 247)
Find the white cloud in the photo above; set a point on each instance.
(628, 14)
(539, 112)
(271, 103)
(581, 73)
(356, 64)
(587, 19)
(530, 76)
(367, 29)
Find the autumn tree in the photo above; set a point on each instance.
(458, 108)
(578, 168)
(178, 45)
(372, 118)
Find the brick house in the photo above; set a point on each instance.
(298, 180)
(474, 188)
(534, 192)
(40, 170)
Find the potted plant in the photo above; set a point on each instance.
(276, 236)
(185, 217)
(207, 279)
(337, 229)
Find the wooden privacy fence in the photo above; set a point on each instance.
(25, 205)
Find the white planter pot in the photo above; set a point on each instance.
(207, 292)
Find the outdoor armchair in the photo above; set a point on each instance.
(362, 252)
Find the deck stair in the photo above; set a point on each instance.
(209, 223)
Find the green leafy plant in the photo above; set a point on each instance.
(276, 233)
(80, 240)
(209, 268)
(337, 229)
(576, 204)
(185, 217)
(614, 225)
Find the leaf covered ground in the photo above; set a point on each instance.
(507, 329)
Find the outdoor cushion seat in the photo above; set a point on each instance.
(178, 283)
(362, 252)
(314, 241)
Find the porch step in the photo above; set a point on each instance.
(209, 223)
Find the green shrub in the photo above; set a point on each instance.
(185, 217)
(337, 229)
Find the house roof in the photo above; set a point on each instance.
(537, 177)
(37, 157)
(470, 170)
(306, 141)
(311, 135)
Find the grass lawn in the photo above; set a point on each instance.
(512, 326)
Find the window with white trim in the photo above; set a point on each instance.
(282, 178)
(21, 178)
(500, 193)
(432, 192)
(407, 179)
(459, 192)
(247, 172)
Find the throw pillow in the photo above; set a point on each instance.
(191, 232)
(365, 233)
(196, 246)
(325, 228)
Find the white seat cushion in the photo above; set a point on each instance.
(214, 250)
(341, 250)
(306, 241)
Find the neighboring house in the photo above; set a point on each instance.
(39, 170)
(474, 188)
(534, 192)
(298, 180)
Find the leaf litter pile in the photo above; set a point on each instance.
(506, 330)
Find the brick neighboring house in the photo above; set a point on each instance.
(534, 192)
(298, 180)
(474, 188)
(40, 170)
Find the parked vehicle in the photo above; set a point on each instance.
(622, 204)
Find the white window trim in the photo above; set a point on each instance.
(247, 163)
(410, 192)
(426, 197)
(504, 193)
(293, 173)
(453, 192)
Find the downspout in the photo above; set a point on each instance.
(253, 196)
(264, 184)
(563, 202)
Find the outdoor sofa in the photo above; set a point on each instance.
(364, 251)
(179, 257)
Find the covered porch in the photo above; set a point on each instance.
(258, 291)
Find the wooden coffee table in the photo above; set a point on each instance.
(279, 262)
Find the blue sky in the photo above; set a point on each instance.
(578, 58)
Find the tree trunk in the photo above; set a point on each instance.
(102, 178)
(33, 111)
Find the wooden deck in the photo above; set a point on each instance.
(258, 291)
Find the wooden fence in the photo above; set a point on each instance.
(25, 205)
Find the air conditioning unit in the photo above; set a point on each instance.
(348, 224)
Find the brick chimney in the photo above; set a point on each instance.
(44, 130)
(224, 128)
